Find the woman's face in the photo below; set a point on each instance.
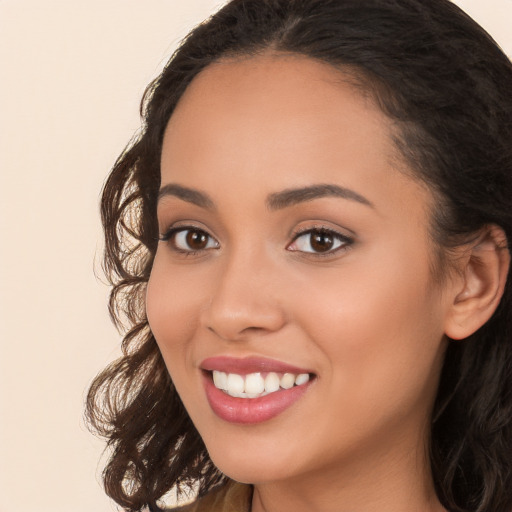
(294, 243)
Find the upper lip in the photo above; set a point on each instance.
(246, 365)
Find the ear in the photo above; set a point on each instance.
(483, 270)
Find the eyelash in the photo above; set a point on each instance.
(345, 241)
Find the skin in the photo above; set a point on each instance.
(368, 319)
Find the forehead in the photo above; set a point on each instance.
(287, 85)
(277, 121)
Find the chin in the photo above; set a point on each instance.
(252, 463)
(248, 472)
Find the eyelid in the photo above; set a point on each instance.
(174, 227)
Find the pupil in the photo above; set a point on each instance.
(197, 239)
(321, 242)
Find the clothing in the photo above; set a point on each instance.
(232, 497)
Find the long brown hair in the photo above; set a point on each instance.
(447, 85)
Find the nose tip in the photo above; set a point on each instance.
(236, 325)
(242, 307)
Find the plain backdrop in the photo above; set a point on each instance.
(71, 77)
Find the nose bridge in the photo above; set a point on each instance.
(244, 300)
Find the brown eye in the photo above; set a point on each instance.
(189, 240)
(196, 240)
(319, 241)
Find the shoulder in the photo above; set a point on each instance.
(232, 497)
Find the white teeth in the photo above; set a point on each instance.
(220, 379)
(235, 384)
(254, 385)
(302, 379)
(287, 380)
(271, 382)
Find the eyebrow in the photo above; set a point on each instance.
(293, 196)
(275, 201)
(189, 195)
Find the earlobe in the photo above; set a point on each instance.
(483, 272)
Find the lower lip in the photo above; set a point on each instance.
(251, 410)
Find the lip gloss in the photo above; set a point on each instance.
(250, 410)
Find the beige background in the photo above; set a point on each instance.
(72, 74)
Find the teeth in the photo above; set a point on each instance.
(287, 380)
(271, 382)
(302, 379)
(235, 384)
(220, 379)
(254, 385)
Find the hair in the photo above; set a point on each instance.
(447, 87)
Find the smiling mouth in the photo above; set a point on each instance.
(251, 390)
(258, 384)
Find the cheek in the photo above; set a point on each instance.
(172, 308)
(172, 311)
(379, 328)
(370, 297)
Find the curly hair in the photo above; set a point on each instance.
(447, 86)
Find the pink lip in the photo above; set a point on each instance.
(246, 365)
(250, 410)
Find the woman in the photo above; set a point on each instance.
(308, 242)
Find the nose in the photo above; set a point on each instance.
(244, 301)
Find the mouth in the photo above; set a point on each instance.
(252, 390)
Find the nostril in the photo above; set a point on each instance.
(230, 331)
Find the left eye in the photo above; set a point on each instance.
(318, 241)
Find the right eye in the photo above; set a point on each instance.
(188, 239)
